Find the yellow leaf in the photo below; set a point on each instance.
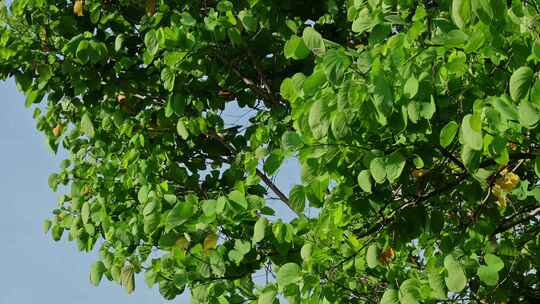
(150, 7)
(209, 242)
(500, 194)
(182, 243)
(387, 255)
(508, 181)
(78, 8)
(419, 172)
(57, 130)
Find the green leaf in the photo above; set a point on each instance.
(151, 42)
(411, 87)
(372, 256)
(150, 277)
(181, 129)
(288, 90)
(528, 114)
(46, 225)
(494, 262)
(180, 213)
(96, 272)
(297, 197)
(472, 135)
(248, 20)
(488, 275)
(377, 168)
(506, 108)
(437, 284)
(288, 274)
(318, 119)
(273, 162)
(84, 51)
(363, 22)
(291, 141)
(295, 48)
(520, 81)
(313, 83)
(87, 126)
(176, 104)
(339, 126)
(448, 132)
(409, 292)
(85, 212)
(128, 278)
(239, 198)
(32, 96)
(461, 12)
(313, 40)
(535, 93)
(335, 64)
(119, 42)
(537, 165)
(456, 279)
(267, 297)
(305, 252)
(395, 163)
(168, 78)
(390, 296)
(259, 229)
(364, 181)
(471, 158)
(142, 194)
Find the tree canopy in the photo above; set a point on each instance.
(415, 123)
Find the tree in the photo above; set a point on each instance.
(415, 124)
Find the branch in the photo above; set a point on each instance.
(263, 177)
(249, 83)
(450, 156)
(276, 190)
(519, 219)
(388, 220)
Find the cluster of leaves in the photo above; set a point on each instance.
(416, 125)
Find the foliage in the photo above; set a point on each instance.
(415, 124)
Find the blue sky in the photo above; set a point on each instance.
(35, 269)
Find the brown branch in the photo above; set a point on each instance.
(450, 156)
(275, 189)
(249, 83)
(389, 220)
(266, 84)
(260, 174)
(519, 219)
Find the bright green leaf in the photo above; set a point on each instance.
(258, 231)
(288, 274)
(87, 126)
(448, 132)
(377, 168)
(364, 181)
(520, 82)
